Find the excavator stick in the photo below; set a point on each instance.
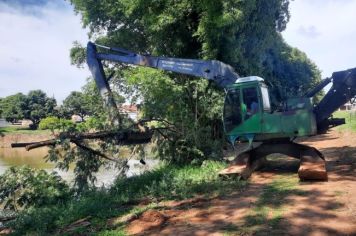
(312, 162)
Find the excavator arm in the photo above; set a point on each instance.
(343, 89)
(216, 71)
(222, 74)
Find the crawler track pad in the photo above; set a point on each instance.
(312, 168)
(242, 167)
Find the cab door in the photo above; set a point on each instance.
(251, 109)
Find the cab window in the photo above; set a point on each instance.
(232, 110)
(250, 104)
(265, 99)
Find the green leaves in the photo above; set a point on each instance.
(13, 107)
(33, 106)
(23, 187)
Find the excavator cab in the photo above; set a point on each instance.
(245, 102)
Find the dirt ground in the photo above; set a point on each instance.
(274, 202)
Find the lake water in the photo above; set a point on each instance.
(3, 123)
(35, 159)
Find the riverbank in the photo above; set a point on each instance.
(7, 138)
(193, 200)
(100, 210)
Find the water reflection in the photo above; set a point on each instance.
(19, 156)
(35, 159)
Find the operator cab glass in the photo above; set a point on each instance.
(244, 103)
(265, 98)
(250, 105)
(232, 110)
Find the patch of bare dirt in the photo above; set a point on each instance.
(149, 220)
(313, 208)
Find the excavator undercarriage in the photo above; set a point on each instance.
(312, 161)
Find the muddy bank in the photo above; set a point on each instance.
(7, 139)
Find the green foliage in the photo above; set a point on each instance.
(54, 123)
(167, 182)
(39, 106)
(50, 123)
(88, 102)
(25, 187)
(76, 104)
(77, 54)
(13, 107)
(1, 108)
(290, 72)
(193, 109)
(172, 182)
(21, 130)
(33, 106)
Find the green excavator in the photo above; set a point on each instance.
(247, 114)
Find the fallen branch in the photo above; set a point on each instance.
(94, 151)
(122, 137)
(127, 137)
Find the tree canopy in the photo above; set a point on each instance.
(13, 107)
(34, 106)
(76, 104)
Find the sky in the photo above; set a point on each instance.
(326, 31)
(35, 39)
(36, 36)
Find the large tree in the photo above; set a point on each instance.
(39, 106)
(33, 106)
(244, 34)
(13, 107)
(76, 104)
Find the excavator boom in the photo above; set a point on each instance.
(222, 74)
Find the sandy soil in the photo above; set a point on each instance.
(311, 208)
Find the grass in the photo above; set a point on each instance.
(21, 130)
(350, 119)
(165, 183)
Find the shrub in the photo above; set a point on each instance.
(50, 123)
(54, 123)
(22, 187)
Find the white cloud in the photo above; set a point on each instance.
(325, 30)
(34, 50)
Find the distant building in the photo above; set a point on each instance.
(348, 107)
(25, 122)
(130, 110)
(76, 119)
